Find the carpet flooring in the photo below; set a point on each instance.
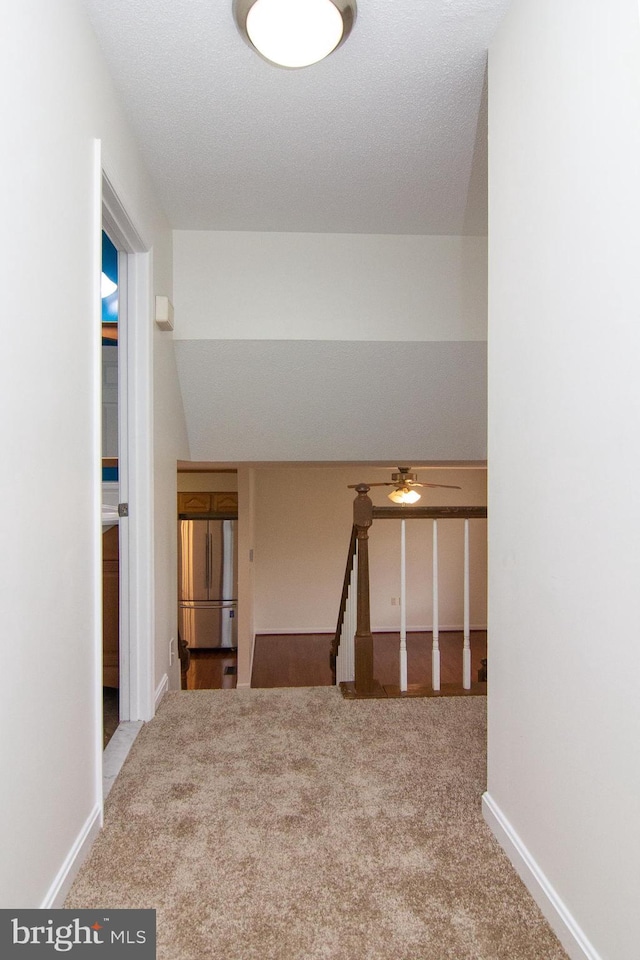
(293, 825)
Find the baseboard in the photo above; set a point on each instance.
(161, 689)
(561, 921)
(60, 887)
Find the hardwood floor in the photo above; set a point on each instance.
(303, 660)
(212, 670)
(286, 660)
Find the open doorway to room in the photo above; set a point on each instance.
(109, 289)
(207, 530)
(127, 650)
(295, 522)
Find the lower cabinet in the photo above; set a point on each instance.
(110, 609)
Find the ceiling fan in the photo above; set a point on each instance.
(404, 482)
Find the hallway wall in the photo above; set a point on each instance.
(375, 345)
(564, 512)
(57, 99)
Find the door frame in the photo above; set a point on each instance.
(135, 456)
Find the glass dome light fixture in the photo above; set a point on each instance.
(107, 286)
(404, 495)
(294, 33)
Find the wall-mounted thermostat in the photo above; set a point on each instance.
(164, 313)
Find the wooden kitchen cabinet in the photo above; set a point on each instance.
(203, 503)
(194, 503)
(110, 608)
(224, 502)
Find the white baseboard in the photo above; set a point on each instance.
(561, 921)
(161, 689)
(60, 887)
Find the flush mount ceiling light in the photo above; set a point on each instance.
(107, 286)
(294, 33)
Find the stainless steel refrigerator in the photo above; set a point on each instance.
(207, 583)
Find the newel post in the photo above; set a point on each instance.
(362, 520)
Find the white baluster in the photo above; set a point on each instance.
(403, 607)
(466, 652)
(345, 662)
(435, 649)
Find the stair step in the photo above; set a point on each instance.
(414, 690)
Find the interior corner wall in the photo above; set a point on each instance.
(564, 511)
(246, 574)
(170, 444)
(59, 101)
(303, 519)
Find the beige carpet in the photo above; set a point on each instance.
(292, 825)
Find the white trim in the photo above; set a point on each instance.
(562, 922)
(117, 751)
(78, 853)
(141, 490)
(115, 219)
(247, 685)
(253, 651)
(125, 635)
(136, 532)
(96, 399)
(161, 689)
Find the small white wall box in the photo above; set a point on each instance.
(164, 313)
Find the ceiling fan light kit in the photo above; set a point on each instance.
(404, 483)
(294, 33)
(405, 495)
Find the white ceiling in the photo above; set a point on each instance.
(388, 135)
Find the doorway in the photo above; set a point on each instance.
(208, 575)
(110, 291)
(132, 488)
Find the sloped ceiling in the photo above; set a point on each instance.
(387, 135)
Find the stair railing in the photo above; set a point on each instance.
(352, 648)
(342, 647)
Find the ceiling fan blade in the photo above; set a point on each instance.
(449, 486)
(352, 486)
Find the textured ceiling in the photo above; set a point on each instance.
(388, 135)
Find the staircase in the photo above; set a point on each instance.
(352, 660)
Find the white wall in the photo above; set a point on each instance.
(347, 327)
(303, 518)
(56, 99)
(291, 286)
(170, 443)
(564, 409)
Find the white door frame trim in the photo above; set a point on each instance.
(137, 606)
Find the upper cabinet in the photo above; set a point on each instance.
(199, 503)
